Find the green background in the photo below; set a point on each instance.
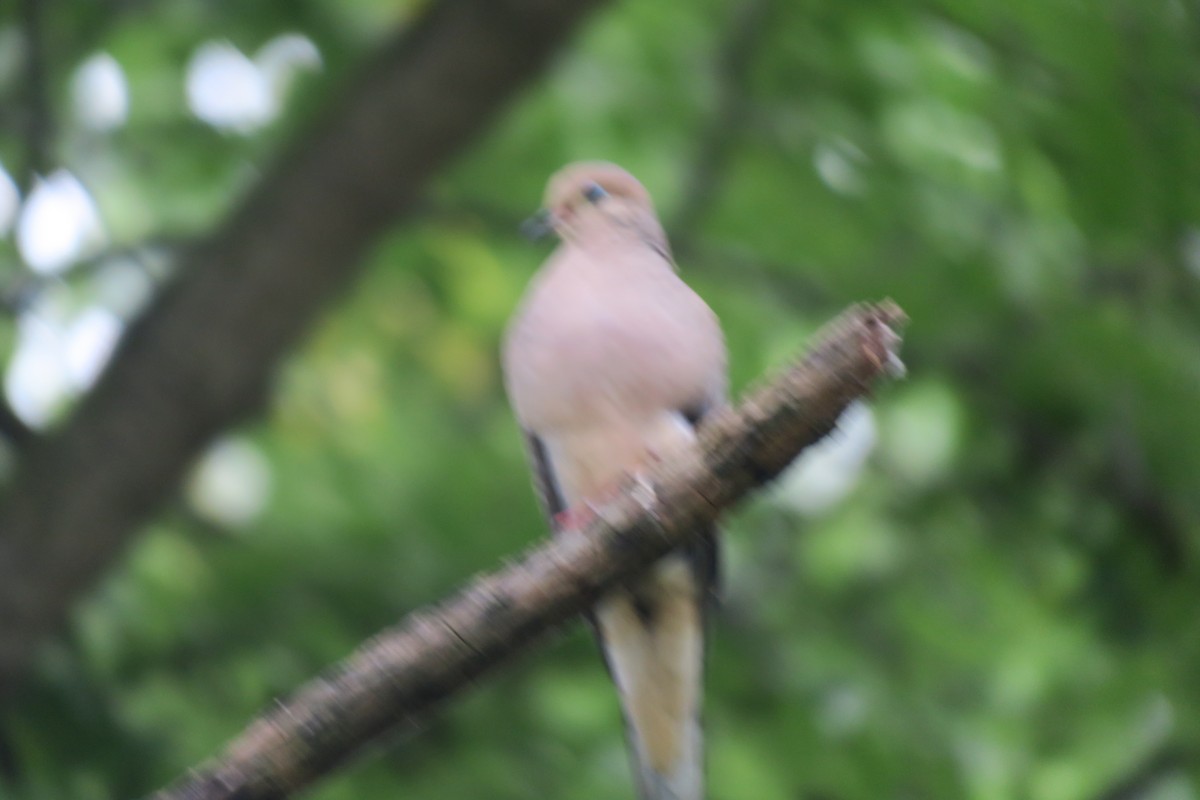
(1003, 604)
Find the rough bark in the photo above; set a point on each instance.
(402, 674)
(202, 357)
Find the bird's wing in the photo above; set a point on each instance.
(545, 485)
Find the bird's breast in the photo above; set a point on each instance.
(596, 354)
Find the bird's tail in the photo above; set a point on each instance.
(683, 781)
(653, 640)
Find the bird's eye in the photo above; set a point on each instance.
(593, 193)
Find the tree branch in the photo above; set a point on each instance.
(407, 671)
(202, 357)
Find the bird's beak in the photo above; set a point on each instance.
(539, 226)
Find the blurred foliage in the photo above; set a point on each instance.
(1002, 604)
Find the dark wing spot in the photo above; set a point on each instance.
(696, 412)
(544, 482)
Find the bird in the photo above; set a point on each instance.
(610, 363)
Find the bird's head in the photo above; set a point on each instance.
(593, 196)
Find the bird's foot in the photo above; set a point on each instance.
(580, 516)
(643, 491)
(575, 518)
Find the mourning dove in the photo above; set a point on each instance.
(610, 362)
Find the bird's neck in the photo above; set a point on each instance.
(624, 233)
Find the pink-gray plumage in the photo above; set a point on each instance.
(610, 361)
